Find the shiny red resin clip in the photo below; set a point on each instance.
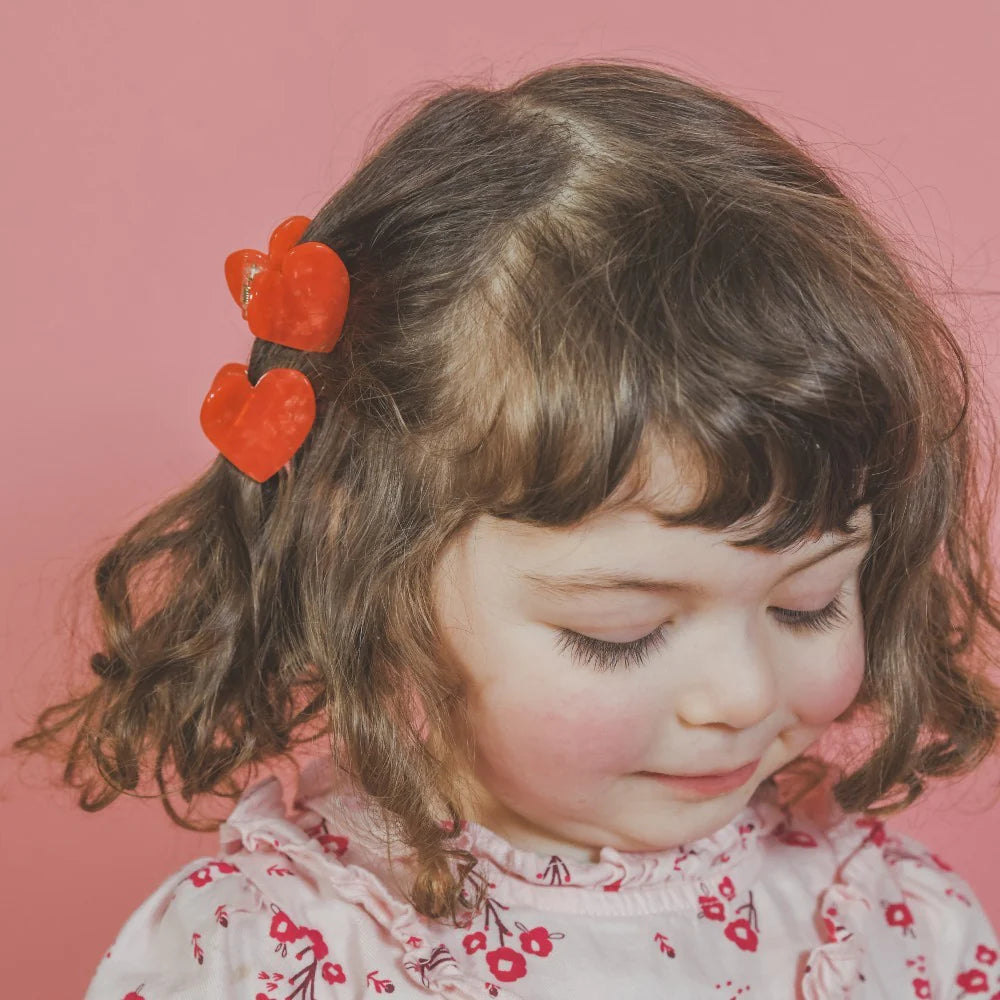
(258, 427)
(295, 294)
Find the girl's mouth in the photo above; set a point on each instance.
(708, 785)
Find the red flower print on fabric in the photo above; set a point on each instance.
(742, 934)
(474, 942)
(977, 980)
(743, 930)
(332, 843)
(920, 983)
(333, 973)
(973, 981)
(556, 872)
(740, 990)
(682, 856)
(317, 943)
(286, 932)
(960, 896)
(201, 877)
(985, 955)
(282, 929)
(666, 947)
(204, 875)
(876, 831)
(899, 915)
(712, 908)
(272, 980)
(380, 985)
(726, 888)
(439, 956)
(835, 931)
(537, 941)
(134, 995)
(505, 962)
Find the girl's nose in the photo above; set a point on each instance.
(733, 684)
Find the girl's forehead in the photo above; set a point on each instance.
(668, 476)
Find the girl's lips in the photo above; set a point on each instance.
(708, 785)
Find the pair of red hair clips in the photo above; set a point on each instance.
(296, 295)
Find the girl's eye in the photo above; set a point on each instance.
(609, 655)
(819, 621)
(606, 656)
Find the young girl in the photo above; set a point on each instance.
(598, 458)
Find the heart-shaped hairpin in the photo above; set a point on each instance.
(258, 427)
(295, 294)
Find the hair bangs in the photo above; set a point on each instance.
(776, 398)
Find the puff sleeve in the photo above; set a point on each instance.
(898, 921)
(959, 954)
(193, 937)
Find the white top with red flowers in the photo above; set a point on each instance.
(303, 905)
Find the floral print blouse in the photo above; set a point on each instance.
(302, 905)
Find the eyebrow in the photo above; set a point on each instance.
(577, 583)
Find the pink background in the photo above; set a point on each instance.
(144, 142)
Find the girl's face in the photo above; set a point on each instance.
(750, 655)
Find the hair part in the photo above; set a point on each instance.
(548, 280)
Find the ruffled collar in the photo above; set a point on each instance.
(326, 842)
(548, 880)
(616, 870)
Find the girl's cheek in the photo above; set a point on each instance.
(588, 731)
(827, 693)
(605, 737)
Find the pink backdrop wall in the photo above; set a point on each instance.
(144, 142)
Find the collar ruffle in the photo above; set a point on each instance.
(620, 871)
(345, 865)
(618, 882)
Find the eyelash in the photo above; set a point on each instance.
(608, 656)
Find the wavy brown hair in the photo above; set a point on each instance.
(546, 279)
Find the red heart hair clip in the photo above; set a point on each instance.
(295, 295)
(258, 427)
